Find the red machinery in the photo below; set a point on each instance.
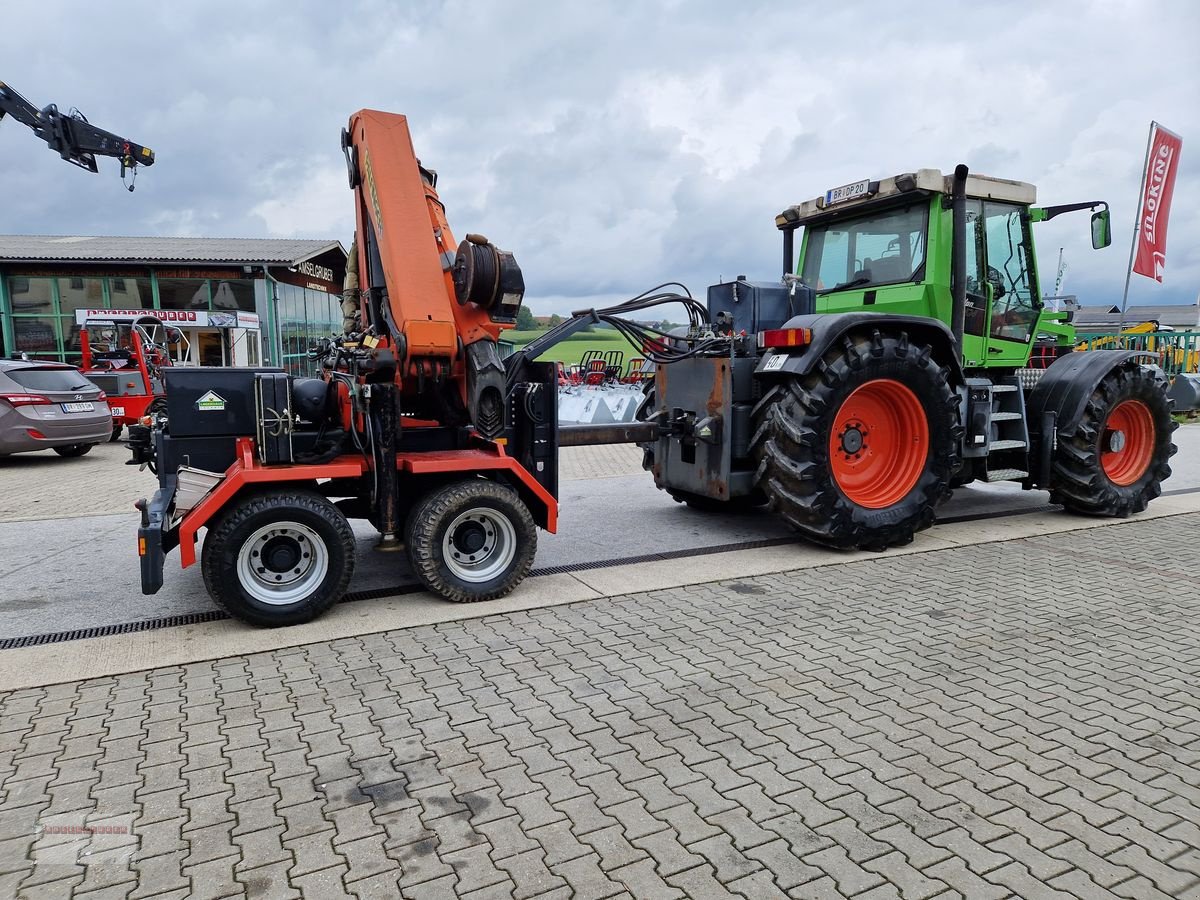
(414, 424)
(125, 360)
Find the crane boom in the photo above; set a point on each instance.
(72, 136)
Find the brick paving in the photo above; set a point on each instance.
(1004, 720)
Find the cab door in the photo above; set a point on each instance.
(1010, 281)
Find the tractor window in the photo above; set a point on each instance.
(975, 318)
(884, 248)
(1010, 270)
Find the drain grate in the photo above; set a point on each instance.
(216, 615)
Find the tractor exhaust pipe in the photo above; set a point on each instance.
(958, 259)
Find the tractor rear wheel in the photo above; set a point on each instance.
(471, 540)
(1115, 460)
(279, 558)
(857, 453)
(116, 432)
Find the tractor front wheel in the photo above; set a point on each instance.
(1115, 460)
(471, 540)
(857, 453)
(280, 558)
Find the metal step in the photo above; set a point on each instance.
(1005, 445)
(1005, 416)
(1003, 388)
(1007, 475)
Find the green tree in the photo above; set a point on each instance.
(555, 320)
(525, 320)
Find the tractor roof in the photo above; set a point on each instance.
(928, 181)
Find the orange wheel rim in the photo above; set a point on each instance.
(879, 443)
(1127, 442)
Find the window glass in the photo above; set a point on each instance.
(36, 334)
(49, 379)
(975, 319)
(182, 293)
(233, 294)
(31, 296)
(1010, 271)
(130, 293)
(876, 249)
(80, 293)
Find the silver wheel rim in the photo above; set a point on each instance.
(282, 563)
(479, 545)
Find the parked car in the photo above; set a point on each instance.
(50, 406)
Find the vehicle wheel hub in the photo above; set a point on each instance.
(282, 563)
(854, 439)
(479, 545)
(879, 472)
(282, 553)
(1116, 441)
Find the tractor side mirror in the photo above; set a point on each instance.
(1101, 230)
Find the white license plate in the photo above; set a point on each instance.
(848, 192)
(117, 411)
(79, 407)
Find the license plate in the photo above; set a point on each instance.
(848, 192)
(117, 411)
(79, 407)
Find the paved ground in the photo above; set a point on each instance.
(606, 513)
(1020, 725)
(46, 486)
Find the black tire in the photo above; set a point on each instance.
(116, 432)
(70, 451)
(793, 424)
(157, 408)
(478, 510)
(1078, 479)
(287, 524)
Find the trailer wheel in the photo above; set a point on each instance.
(1115, 460)
(857, 453)
(278, 559)
(471, 540)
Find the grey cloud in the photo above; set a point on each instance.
(611, 146)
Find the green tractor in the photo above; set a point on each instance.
(907, 353)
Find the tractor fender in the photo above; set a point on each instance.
(828, 329)
(1057, 404)
(1068, 382)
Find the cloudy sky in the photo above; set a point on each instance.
(611, 146)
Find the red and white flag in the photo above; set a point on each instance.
(1161, 165)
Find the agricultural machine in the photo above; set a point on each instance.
(126, 360)
(892, 364)
(851, 396)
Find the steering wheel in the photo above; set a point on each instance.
(997, 281)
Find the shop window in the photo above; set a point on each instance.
(131, 293)
(32, 296)
(79, 293)
(183, 293)
(36, 334)
(233, 294)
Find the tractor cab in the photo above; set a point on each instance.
(887, 246)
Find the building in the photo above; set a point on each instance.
(1092, 320)
(276, 295)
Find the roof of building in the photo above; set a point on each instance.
(1177, 316)
(73, 248)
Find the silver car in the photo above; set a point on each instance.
(50, 406)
